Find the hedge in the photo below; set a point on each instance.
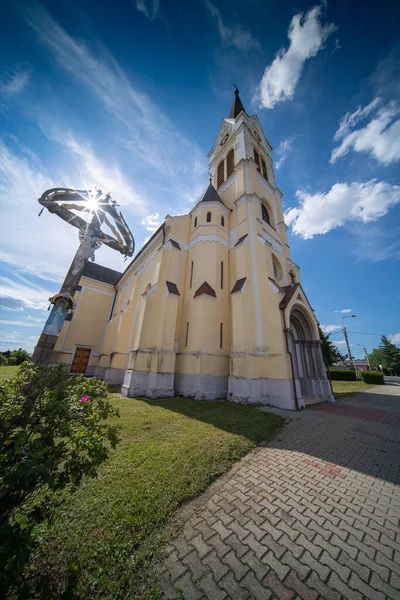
(375, 377)
(343, 375)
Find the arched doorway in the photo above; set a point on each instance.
(306, 352)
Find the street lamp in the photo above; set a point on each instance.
(347, 342)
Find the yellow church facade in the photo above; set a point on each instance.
(212, 306)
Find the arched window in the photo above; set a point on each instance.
(221, 173)
(230, 162)
(277, 268)
(265, 214)
(222, 221)
(195, 222)
(208, 217)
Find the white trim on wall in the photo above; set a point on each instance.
(257, 301)
(91, 289)
(208, 237)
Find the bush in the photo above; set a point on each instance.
(375, 377)
(343, 375)
(52, 434)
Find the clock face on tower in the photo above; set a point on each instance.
(224, 139)
(257, 137)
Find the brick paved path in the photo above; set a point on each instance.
(313, 515)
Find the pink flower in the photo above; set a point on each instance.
(85, 398)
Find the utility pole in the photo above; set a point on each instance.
(367, 357)
(348, 345)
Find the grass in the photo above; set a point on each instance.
(110, 532)
(7, 372)
(341, 389)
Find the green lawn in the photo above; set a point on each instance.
(7, 372)
(111, 530)
(341, 389)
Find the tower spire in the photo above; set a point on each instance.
(237, 105)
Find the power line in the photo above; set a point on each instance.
(363, 333)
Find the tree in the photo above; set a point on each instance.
(390, 356)
(19, 356)
(52, 434)
(330, 353)
(375, 359)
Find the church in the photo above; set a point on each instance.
(212, 306)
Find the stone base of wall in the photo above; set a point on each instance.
(277, 392)
(201, 387)
(273, 392)
(99, 372)
(148, 383)
(322, 389)
(114, 376)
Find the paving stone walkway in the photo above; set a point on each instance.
(313, 515)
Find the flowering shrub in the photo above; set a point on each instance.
(53, 432)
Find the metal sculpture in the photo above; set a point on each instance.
(99, 209)
(62, 201)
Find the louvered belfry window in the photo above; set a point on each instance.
(264, 169)
(221, 173)
(265, 214)
(257, 158)
(230, 163)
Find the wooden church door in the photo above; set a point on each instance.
(81, 359)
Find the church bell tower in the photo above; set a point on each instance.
(267, 364)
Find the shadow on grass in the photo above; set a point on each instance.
(114, 389)
(355, 444)
(238, 419)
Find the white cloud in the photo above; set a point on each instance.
(232, 36)
(346, 310)
(150, 8)
(376, 242)
(11, 304)
(14, 82)
(95, 172)
(22, 323)
(306, 36)
(152, 222)
(380, 137)
(351, 119)
(27, 295)
(394, 338)
(330, 328)
(150, 137)
(345, 202)
(340, 342)
(12, 340)
(283, 150)
(46, 246)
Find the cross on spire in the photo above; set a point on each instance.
(237, 105)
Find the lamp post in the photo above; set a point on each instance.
(347, 343)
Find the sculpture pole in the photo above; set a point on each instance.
(62, 201)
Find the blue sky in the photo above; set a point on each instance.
(128, 95)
